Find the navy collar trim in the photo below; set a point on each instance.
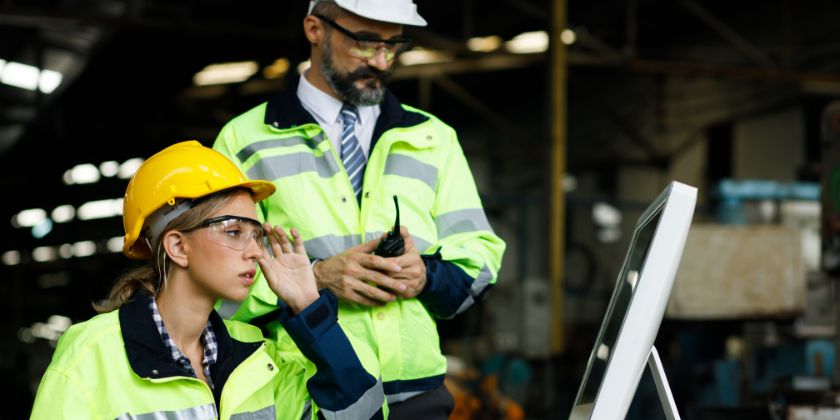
(285, 111)
(149, 357)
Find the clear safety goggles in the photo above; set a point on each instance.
(365, 47)
(234, 232)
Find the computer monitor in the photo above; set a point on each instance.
(625, 340)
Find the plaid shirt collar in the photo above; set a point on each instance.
(208, 339)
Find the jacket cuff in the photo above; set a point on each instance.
(313, 321)
(447, 286)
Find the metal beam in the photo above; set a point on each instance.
(489, 62)
(489, 115)
(682, 68)
(740, 43)
(557, 206)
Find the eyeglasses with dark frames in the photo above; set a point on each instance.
(365, 46)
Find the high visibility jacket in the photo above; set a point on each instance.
(115, 366)
(414, 156)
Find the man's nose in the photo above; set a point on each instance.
(379, 60)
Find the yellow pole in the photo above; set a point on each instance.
(558, 170)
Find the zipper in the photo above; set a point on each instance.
(370, 184)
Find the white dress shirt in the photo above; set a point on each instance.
(326, 110)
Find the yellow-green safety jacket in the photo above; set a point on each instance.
(414, 156)
(115, 366)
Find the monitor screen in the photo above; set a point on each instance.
(635, 310)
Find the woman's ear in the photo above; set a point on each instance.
(174, 244)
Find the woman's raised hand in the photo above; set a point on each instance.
(288, 272)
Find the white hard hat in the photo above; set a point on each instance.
(403, 12)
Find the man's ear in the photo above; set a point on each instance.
(313, 28)
(175, 245)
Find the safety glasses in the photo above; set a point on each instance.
(365, 46)
(234, 232)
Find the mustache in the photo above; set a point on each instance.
(367, 71)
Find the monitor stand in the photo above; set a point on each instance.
(662, 387)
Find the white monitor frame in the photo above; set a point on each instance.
(633, 348)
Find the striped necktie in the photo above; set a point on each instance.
(351, 151)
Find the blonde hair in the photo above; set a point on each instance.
(150, 276)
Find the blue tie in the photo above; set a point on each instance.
(351, 151)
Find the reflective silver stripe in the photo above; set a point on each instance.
(481, 282)
(253, 148)
(410, 167)
(402, 396)
(276, 167)
(460, 221)
(307, 410)
(421, 244)
(207, 411)
(328, 245)
(364, 408)
(266, 413)
(464, 306)
(369, 236)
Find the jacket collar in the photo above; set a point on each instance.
(285, 111)
(149, 357)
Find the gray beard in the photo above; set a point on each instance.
(344, 86)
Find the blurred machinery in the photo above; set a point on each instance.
(482, 395)
(830, 227)
(751, 308)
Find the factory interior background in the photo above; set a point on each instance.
(601, 103)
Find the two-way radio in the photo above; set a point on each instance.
(392, 245)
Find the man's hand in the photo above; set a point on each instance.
(412, 273)
(347, 275)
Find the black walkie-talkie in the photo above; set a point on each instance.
(392, 245)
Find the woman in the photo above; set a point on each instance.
(159, 350)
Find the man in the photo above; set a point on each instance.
(338, 148)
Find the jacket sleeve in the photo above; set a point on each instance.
(61, 397)
(469, 253)
(341, 387)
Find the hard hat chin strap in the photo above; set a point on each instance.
(157, 221)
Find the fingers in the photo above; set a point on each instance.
(383, 281)
(298, 247)
(375, 294)
(280, 243)
(275, 240)
(407, 260)
(367, 247)
(285, 244)
(408, 239)
(377, 263)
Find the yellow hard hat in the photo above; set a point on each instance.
(185, 170)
